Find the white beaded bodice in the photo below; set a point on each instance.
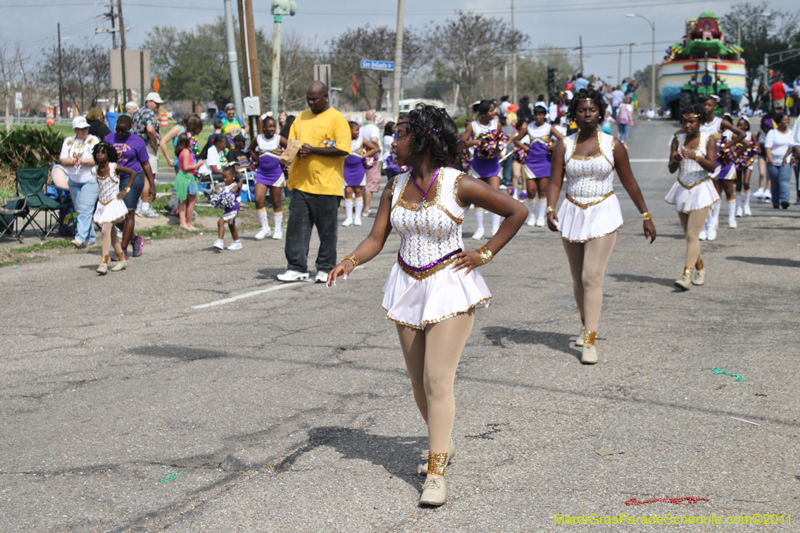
(713, 128)
(108, 186)
(478, 128)
(690, 173)
(589, 179)
(268, 147)
(430, 231)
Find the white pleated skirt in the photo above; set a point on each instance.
(418, 302)
(687, 200)
(113, 211)
(580, 225)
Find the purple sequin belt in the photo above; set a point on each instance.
(429, 269)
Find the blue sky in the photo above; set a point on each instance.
(603, 25)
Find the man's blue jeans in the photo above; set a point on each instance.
(84, 199)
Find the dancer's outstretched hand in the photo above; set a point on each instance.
(469, 260)
(551, 221)
(650, 230)
(343, 269)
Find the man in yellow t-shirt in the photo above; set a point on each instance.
(316, 179)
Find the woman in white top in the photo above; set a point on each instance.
(433, 289)
(76, 163)
(694, 155)
(779, 151)
(590, 216)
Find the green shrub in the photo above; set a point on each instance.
(29, 147)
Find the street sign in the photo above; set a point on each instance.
(17, 100)
(371, 64)
(333, 99)
(387, 82)
(322, 72)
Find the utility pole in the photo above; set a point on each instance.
(233, 59)
(252, 53)
(619, 68)
(398, 59)
(110, 15)
(122, 50)
(505, 79)
(580, 47)
(513, 57)
(60, 80)
(630, 61)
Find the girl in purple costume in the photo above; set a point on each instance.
(537, 165)
(487, 170)
(355, 175)
(266, 149)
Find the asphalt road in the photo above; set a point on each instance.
(194, 393)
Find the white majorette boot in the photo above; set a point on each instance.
(746, 202)
(732, 213)
(589, 351)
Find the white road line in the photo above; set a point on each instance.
(649, 160)
(249, 294)
(256, 293)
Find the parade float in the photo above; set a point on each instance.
(703, 63)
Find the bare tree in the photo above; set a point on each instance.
(466, 49)
(367, 42)
(297, 69)
(532, 68)
(85, 74)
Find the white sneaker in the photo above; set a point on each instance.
(357, 221)
(235, 246)
(139, 212)
(265, 232)
(293, 275)
(712, 233)
(150, 213)
(747, 211)
(365, 214)
(767, 195)
(732, 222)
(759, 193)
(739, 211)
(532, 220)
(219, 244)
(321, 277)
(348, 222)
(539, 222)
(277, 234)
(478, 235)
(703, 235)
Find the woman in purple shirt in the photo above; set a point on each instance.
(133, 155)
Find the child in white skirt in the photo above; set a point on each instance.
(232, 187)
(110, 207)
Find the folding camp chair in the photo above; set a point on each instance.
(14, 209)
(30, 183)
(248, 186)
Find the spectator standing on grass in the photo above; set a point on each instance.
(316, 179)
(370, 132)
(77, 161)
(131, 108)
(132, 154)
(233, 124)
(146, 124)
(97, 125)
(192, 124)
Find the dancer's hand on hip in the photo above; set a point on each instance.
(469, 260)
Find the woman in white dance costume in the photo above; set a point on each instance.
(694, 155)
(486, 169)
(590, 216)
(537, 164)
(434, 288)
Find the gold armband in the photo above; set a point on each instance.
(127, 190)
(485, 253)
(549, 209)
(646, 216)
(353, 259)
(698, 156)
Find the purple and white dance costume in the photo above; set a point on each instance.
(355, 175)
(483, 168)
(693, 189)
(229, 215)
(591, 209)
(269, 171)
(422, 288)
(109, 207)
(537, 166)
(722, 172)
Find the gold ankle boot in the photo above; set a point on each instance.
(589, 352)
(121, 264)
(451, 453)
(683, 282)
(434, 491)
(103, 268)
(700, 273)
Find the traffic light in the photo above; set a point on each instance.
(284, 7)
(551, 81)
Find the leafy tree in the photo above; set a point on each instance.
(348, 49)
(466, 49)
(85, 73)
(532, 70)
(760, 35)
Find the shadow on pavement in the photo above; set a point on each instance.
(400, 456)
(769, 261)
(178, 352)
(556, 341)
(270, 273)
(630, 278)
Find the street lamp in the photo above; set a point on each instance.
(630, 59)
(652, 59)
